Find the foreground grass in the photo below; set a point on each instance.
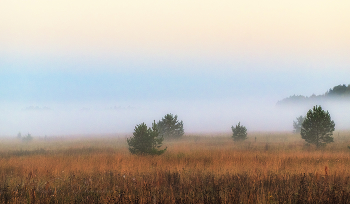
(273, 168)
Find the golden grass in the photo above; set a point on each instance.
(51, 169)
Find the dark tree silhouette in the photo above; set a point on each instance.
(340, 90)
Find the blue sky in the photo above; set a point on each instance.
(98, 84)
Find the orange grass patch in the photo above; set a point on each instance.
(83, 170)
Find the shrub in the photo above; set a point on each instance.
(239, 132)
(170, 127)
(317, 127)
(146, 140)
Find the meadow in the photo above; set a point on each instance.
(274, 167)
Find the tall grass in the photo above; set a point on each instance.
(276, 168)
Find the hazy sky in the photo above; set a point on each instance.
(161, 56)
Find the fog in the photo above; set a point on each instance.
(51, 103)
(199, 116)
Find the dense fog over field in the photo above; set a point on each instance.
(199, 116)
(66, 103)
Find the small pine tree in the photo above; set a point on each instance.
(146, 140)
(239, 132)
(297, 124)
(317, 127)
(170, 127)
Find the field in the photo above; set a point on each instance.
(266, 168)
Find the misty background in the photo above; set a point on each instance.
(66, 104)
(88, 67)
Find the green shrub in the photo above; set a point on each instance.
(170, 127)
(317, 127)
(239, 132)
(146, 140)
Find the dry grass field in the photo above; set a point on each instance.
(266, 168)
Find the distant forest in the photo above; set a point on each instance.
(337, 92)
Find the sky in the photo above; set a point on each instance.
(81, 67)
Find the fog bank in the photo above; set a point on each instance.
(199, 116)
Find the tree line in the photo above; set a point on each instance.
(340, 91)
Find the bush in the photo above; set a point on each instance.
(146, 140)
(239, 132)
(317, 127)
(170, 127)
